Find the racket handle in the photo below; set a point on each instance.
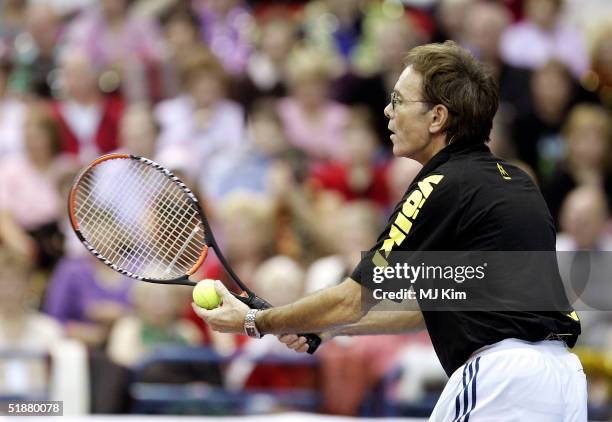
(313, 341)
(255, 302)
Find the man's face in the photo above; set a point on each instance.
(408, 116)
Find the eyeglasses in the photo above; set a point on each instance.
(395, 100)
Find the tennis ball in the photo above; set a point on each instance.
(205, 295)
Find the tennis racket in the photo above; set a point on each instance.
(142, 221)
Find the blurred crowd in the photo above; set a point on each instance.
(273, 113)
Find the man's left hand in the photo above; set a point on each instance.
(227, 318)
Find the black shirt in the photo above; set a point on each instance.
(465, 199)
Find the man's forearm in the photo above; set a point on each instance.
(383, 322)
(322, 311)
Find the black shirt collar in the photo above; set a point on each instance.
(455, 148)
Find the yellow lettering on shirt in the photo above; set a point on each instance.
(403, 221)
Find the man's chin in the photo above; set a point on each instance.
(400, 152)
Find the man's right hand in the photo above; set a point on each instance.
(298, 343)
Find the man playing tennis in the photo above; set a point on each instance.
(506, 365)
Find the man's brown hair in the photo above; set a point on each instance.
(456, 79)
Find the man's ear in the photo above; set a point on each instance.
(439, 116)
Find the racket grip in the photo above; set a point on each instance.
(255, 302)
(313, 341)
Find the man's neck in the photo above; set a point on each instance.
(436, 145)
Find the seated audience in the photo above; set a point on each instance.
(541, 36)
(588, 136)
(181, 31)
(12, 112)
(127, 46)
(266, 70)
(87, 297)
(279, 280)
(599, 78)
(155, 322)
(361, 174)
(584, 216)
(356, 226)
(88, 119)
(36, 59)
(248, 166)
(202, 120)
(138, 131)
(537, 134)
(29, 199)
(312, 121)
(484, 25)
(23, 330)
(225, 28)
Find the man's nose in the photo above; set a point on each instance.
(388, 111)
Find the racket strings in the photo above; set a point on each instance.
(105, 237)
(139, 257)
(181, 243)
(105, 206)
(139, 219)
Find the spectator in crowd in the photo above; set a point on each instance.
(202, 120)
(181, 31)
(89, 120)
(537, 134)
(246, 231)
(312, 121)
(12, 21)
(584, 216)
(29, 200)
(156, 322)
(350, 365)
(356, 226)
(391, 38)
(266, 70)
(116, 40)
(334, 26)
(588, 136)
(248, 167)
(227, 27)
(541, 37)
(304, 221)
(280, 280)
(138, 131)
(599, 79)
(12, 113)
(449, 17)
(36, 54)
(361, 175)
(22, 329)
(483, 27)
(72, 246)
(87, 297)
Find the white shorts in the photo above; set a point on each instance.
(515, 380)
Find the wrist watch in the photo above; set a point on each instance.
(250, 328)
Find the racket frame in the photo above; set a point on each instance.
(247, 296)
(209, 239)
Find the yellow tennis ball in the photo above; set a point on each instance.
(205, 295)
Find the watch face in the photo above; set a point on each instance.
(249, 324)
